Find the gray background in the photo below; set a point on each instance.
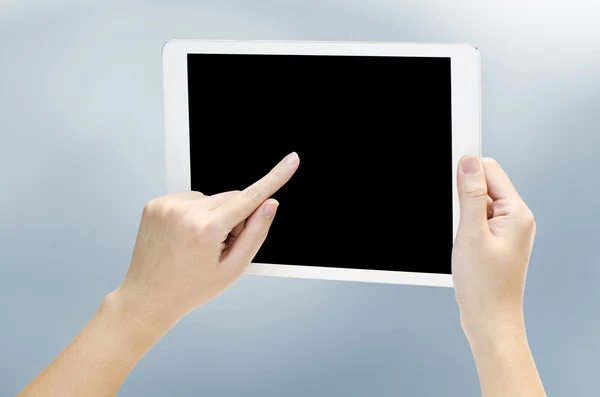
(82, 151)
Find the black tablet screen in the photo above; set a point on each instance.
(374, 136)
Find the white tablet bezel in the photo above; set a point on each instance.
(466, 126)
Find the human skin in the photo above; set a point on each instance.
(191, 247)
(489, 266)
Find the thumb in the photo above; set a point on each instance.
(472, 194)
(253, 235)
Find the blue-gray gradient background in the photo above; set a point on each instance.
(82, 151)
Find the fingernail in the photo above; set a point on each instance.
(470, 165)
(270, 208)
(292, 159)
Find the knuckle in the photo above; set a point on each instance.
(252, 194)
(469, 235)
(475, 192)
(162, 207)
(151, 207)
(259, 236)
(233, 193)
(276, 173)
(525, 217)
(207, 229)
(197, 230)
(528, 218)
(212, 227)
(172, 208)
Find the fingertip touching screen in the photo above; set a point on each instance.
(374, 136)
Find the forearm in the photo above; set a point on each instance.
(98, 360)
(504, 362)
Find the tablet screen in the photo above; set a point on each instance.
(374, 136)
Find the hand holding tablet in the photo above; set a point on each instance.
(492, 248)
(386, 189)
(191, 247)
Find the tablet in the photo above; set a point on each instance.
(379, 128)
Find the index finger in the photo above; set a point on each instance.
(499, 184)
(243, 204)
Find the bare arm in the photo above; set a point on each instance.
(189, 249)
(489, 267)
(98, 360)
(505, 364)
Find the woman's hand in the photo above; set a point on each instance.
(191, 247)
(492, 247)
(489, 265)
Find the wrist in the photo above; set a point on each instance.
(118, 335)
(505, 364)
(501, 340)
(494, 326)
(137, 316)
